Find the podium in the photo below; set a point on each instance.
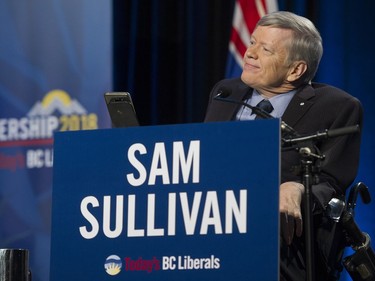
(174, 202)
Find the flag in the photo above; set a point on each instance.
(246, 15)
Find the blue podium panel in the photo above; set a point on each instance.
(179, 202)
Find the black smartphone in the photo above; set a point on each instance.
(121, 109)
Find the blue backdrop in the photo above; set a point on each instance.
(55, 65)
(348, 31)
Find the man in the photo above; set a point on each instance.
(278, 66)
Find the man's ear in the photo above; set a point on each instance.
(297, 69)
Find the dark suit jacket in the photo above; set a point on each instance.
(314, 108)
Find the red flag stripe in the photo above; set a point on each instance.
(239, 47)
(252, 11)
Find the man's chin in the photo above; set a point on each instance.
(248, 81)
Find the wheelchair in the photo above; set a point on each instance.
(361, 264)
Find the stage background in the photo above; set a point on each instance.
(167, 54)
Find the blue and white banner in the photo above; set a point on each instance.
(178, 203)
(55, 65)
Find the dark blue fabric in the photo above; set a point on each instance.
(347, 28)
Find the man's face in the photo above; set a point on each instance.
(265, 65)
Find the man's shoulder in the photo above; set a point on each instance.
(330, 91)
(327, 88)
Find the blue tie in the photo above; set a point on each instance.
(264, 105)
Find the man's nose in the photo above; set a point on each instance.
(251, 52)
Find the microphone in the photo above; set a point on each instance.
(223, 95)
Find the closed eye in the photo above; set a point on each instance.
(267, 50)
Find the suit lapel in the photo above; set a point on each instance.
(299, 105)
(240, 92)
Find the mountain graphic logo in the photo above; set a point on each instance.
(113, 265)
(56, 101)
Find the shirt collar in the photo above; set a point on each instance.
(279, 102)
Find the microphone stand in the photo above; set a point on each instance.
(309, 171)
(309, 176)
